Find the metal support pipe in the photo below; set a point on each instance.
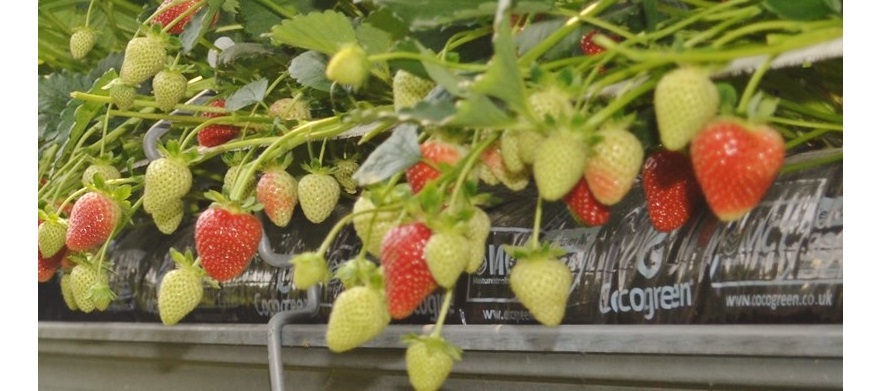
(156, 131)
(275, 337)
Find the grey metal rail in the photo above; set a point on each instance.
(571, 357)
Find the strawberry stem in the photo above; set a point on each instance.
(104, 129)
(88, 12)
(806, 137)
(328, 240)
(615, 105)
(161, 9)
(79, 95)
(183, 15)
(295, 137)
(537, 219)
(805, 124)
(424, 57)
(753, 83)
(789, 168)
(558, 35)
(467, 166)
(442, 315)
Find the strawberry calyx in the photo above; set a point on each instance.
(248, 205)
(317, 168)
(309, 268)
(546, 250)
(360, 272)
(434, 344)
(173, 150)
(186, 261)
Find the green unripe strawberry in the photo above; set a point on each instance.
(447, 254)
(318, 194)
(309, 269)
(684, 101)
(143, 58)
(372, 227)
(168, 217)
(122, 95)
(477, 230)
(166, 180)
(486, 175)
(83, 277)
(278, 195)
(558, 165)
(613, 164)
(511, 150)
(429, 362)
(67, 293)
(543, 286)
(101, 293)
(180, 292)
(409, 89)
(169, 88)
(528, 142)
(343, 171)
(493, 160)
(290, 109)
(82, 41)
(230, 179)
(106, 171)
(349, 66)
(51, 237)
(552, 102)
(359, 314)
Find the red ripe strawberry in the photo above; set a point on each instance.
(166, 17)
(92, 221)
(670, 189)
(584, 207)
(277, 193)
(407, 277)
(435, 152)
(214, 135)
(46, 267)
(735, 164)
(588, 45)
(226, 241)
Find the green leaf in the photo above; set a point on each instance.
(324, 32)
(308, 69)
(197, 26)
(503, 78)
(247, 95)
(231, 6)
(372, 39)
(799, 9)
(78, 114)
(430, 14)
(537, 32)
(258, 19)
(394, 155)
(240, 50)
(53, 95)
(435, 112)
(384, 20)
(479, 112)
(727, 96)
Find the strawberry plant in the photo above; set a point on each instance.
(410, 112)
